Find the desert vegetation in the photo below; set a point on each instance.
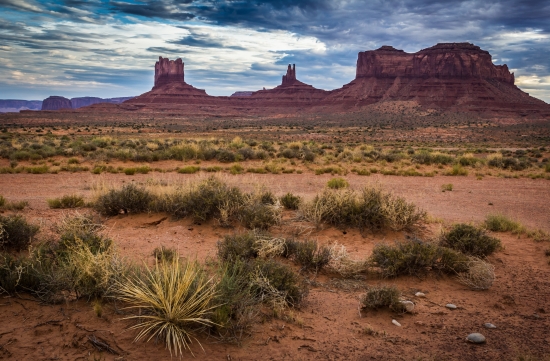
(72, 152)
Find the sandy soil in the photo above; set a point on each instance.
(329, 325)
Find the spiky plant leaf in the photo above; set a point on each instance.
(173, 299)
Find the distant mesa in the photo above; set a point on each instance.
(242, 94)
(16, 105)
(456, 77)
(56, 103)
(448, 76)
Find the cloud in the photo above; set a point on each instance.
(246, 44)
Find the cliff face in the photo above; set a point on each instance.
(452, 60)
(455, 76)
(56, 103)
(168, 71)
(86, 101)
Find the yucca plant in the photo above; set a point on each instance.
(173, 298)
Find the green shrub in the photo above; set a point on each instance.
(458, 170)
(129, 199)
(382, 296)
(470, 240)
(310, 255)
(202, 201)
(164, 254)
(73, 161)
(257, 215)
(16, 206)
(501, 223)
(239, 305)
(290, 201)
(238, 246)
(67, 201)
(404, 258)
(236, 169)
(129, 171)
(447, 187)
(371, 209)
(190, 169)
(337, 183)
(15, 232)
(277, 282)
(2, 201)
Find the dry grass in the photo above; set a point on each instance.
(173, 299)
(343, 264)
(480, 275)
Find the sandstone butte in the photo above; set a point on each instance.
(448, 76)
(57, 102)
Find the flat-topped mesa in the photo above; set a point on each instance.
(168, 71)
(290, 76)
(55, 102)
(445, 60)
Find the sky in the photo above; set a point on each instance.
(108, 49)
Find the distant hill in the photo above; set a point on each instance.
(15, 105)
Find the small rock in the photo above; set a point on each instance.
(476, 338)
(409, 306)
(396, 323)
(419, 323)
(451, 306)
(420, 294)
(489, 325)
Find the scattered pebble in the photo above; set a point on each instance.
(475, 338)
(420, 294)
(451, 306)
(409, 306)
(489, 325)
(396, 323)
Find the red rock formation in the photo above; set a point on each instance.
(290, 76)
(170, 87)
(455, 76)
(291, 90)
(56, 103)
(168, 71)
(453, 60)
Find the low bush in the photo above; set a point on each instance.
(277, 283)
(164, 254)
(447, 187)
(470, 240)
(337, 183)
(382, 296)
(290, 201)
(371, 209)
(501, 223)
(413, 257)
(310, 255)
(238, 246)
(67, 201)
(16, 233)
(190, 169)
(129, 199)
(257, 215)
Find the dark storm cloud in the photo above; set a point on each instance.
(153, 9)
(203, 41)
